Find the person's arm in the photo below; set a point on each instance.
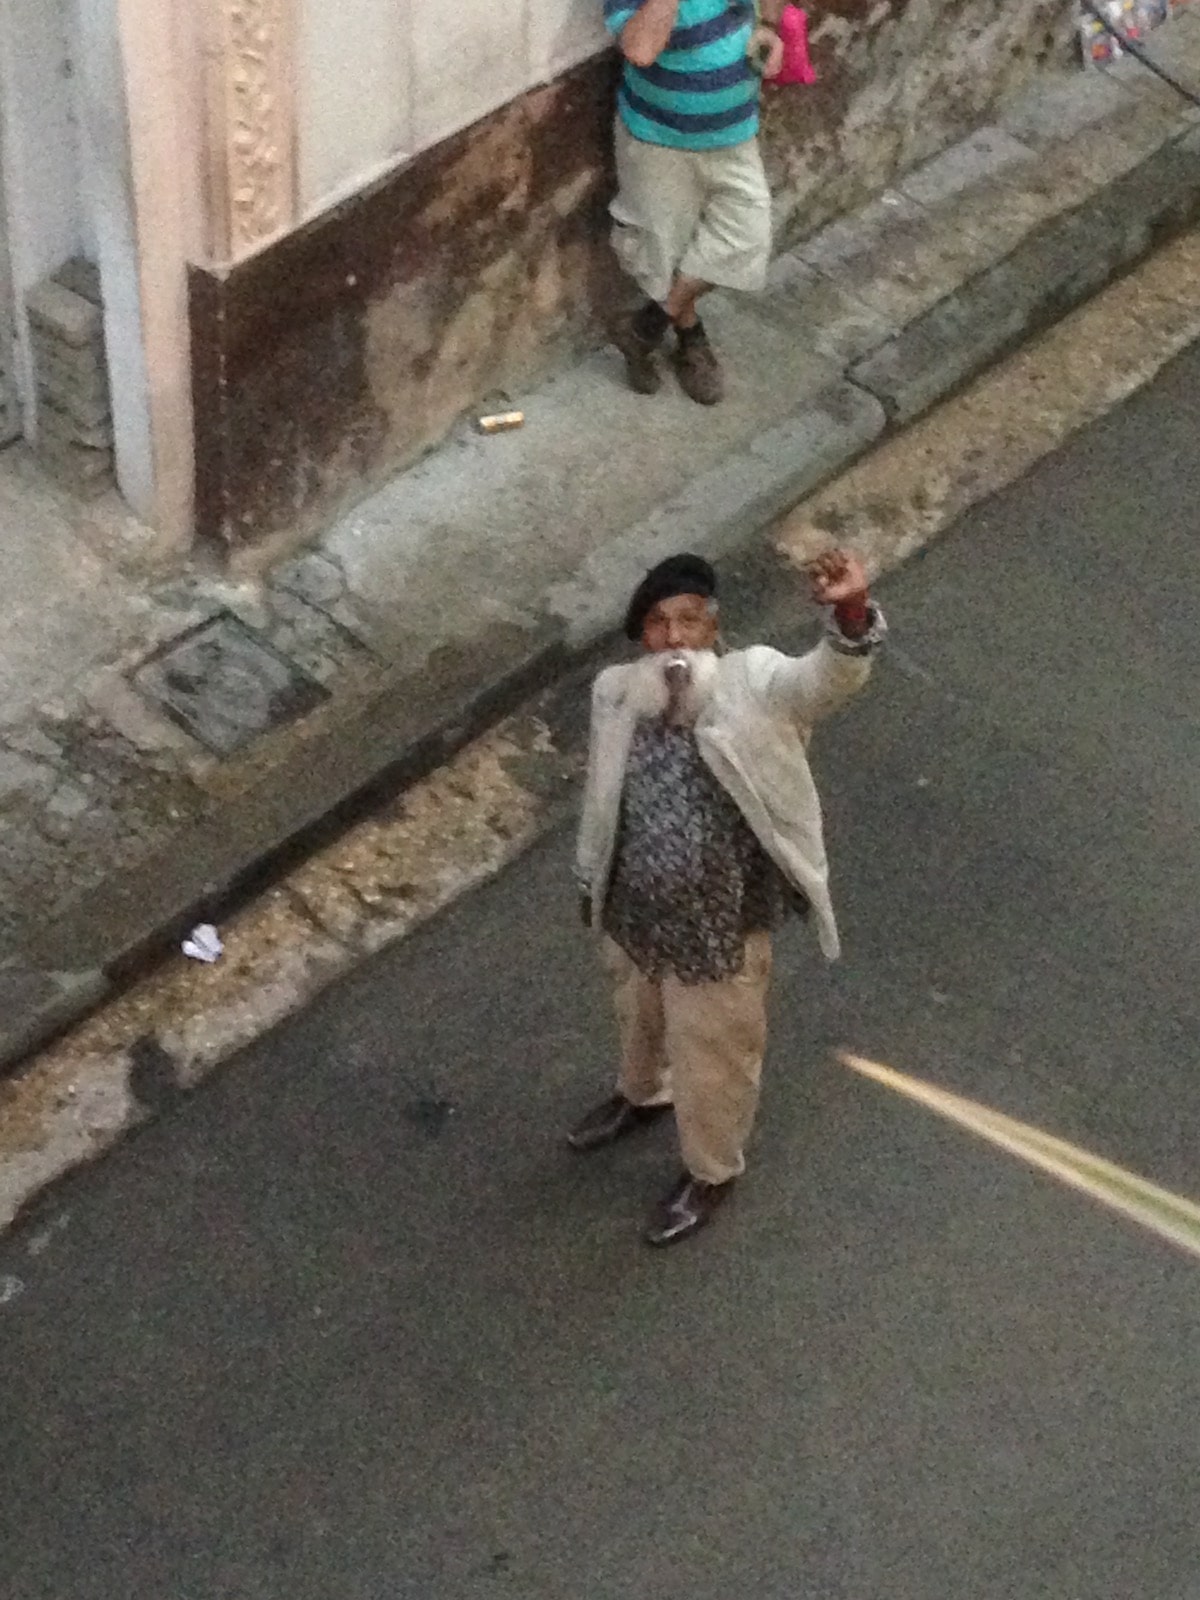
(766, 51)
(766, 47)
(643, 35)
(812, 686)
(839, 580)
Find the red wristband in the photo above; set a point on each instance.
(853, 616)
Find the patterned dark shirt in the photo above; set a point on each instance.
(691, 880)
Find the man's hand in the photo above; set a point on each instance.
(838, 578)
(766, 52)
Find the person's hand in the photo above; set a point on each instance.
(766, 51)
(838, 578)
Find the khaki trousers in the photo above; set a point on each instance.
(703, 213)
(699, 1047)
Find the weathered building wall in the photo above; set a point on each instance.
(341, 351)
(898, 81)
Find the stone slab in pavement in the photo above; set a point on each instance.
(836, 322)
(495, 564)
(78, 584)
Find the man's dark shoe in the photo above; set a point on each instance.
(641, 354)
(612, 1121)
(686, 1209)
(697, 367)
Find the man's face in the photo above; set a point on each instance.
(684, 622)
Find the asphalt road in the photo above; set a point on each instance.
(354, 1325)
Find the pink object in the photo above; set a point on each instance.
(797, 65)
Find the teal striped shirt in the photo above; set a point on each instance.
(702, 92)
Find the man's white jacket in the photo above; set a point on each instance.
(754, 714)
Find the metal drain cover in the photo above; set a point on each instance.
(226, 685)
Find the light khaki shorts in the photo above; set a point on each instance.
(705, 214)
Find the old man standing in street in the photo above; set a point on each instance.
(701, 825)
(693, 211)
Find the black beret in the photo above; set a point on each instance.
(683, 574)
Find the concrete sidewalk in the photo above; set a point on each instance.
(248, 716)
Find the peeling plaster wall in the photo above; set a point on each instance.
(898, 80)
(343, 351)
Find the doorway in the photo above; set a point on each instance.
(45, 220)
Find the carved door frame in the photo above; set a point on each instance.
(250, 116)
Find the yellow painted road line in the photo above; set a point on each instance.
(1170, 1216)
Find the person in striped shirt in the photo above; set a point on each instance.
(693, 210)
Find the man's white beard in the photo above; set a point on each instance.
(675, 684)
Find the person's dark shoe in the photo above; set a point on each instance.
(685, 1210)
(612, 1121)
(697, 367)
(641, 354)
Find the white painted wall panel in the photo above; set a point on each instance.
(562, 33)
(354, 84)
(380, 80)
(468, 58)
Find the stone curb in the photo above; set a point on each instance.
(374, 749)
(36, 1003)
(1060, 264)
